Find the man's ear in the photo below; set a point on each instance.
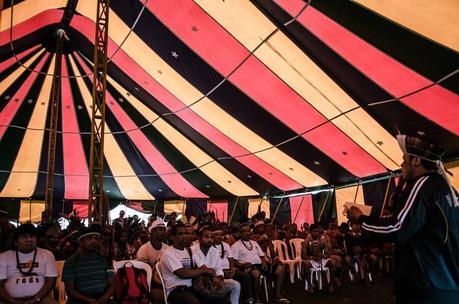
(416, 161)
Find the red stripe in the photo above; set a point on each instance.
(81, 207)
(305, 213)
(436, 103)
(11, 61)
(10, 110)
(175, 181)
(136, 73)
(269, 91)
(29, 26)
(76, 187)
(220, 208)
(257, 165)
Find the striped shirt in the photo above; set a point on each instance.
(89, 273)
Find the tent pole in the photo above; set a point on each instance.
(385, 197)
(356, 192)
(298, 210)
(325, 204)
(234, 209)
(277, 209)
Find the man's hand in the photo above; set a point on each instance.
(209, 271)
(218, 282)
(247, 265)
(229, 273)
(353, 214)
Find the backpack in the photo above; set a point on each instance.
(131, 285)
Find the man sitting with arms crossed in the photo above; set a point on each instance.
(249, 257)
(209, 256)
(178, 267)
(28, 273)
(88, 276)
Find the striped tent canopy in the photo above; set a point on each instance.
(226, 98)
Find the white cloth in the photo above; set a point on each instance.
(150, 255)
(173, 259)
(318, 265)
(244, 255)
(155, 224)
(211, 260)
(20, 286)
(228, 254)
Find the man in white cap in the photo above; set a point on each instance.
(425, 222)
(151, 252)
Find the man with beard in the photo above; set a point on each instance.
(88, 276)
(179, 267)
(210, 257)
(28, 273)
(425, 222)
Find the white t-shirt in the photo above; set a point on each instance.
(20, 286)
(148, 254)
(173, 259)
(244, 255)
(211, 260)
(227, 254)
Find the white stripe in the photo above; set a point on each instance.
(419, 184)
(391, 228)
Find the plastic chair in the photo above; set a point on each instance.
(282, 251)
(317, 272)
(158, 271)
(136, 264)
(263, 280)
(62, 297)
(296, 246)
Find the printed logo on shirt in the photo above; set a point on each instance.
(186, 263)
(28, 280)
(28, 265)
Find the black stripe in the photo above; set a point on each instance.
(180, 163)
(84, 124)
(133, 155)
(421, 54)
(327, 202)
(16, 64)
(283, 215)
(243, 173)
(391, 115)
(7, 95)
(13, 137)
(202, 76)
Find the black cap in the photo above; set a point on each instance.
(25, 229)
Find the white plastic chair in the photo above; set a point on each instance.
(280, 248)
(136, 264)
(62, 297)
(296, 246)
(160, 274)
(263, 280)
(318, 274)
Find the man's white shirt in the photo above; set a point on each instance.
(19, 285)
(173, 259)
(150, 255)
(211, 260)
(243, 255)
(227, 254)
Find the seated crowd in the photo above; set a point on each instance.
(203, 262)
